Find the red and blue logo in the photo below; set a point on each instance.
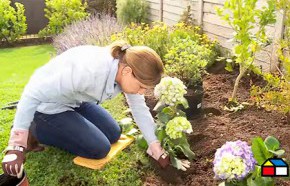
(275, 167)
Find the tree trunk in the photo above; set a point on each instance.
(241, 74)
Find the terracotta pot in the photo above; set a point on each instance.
(6, 180)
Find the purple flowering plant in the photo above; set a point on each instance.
(238, 164)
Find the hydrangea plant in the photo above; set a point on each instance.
(240, 165)
(170, 91)
(172, 124)
(175, 127)
(234, 160)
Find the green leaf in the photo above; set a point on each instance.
(260, 181)
(272, 143)
(141, 142)
(229, 67)
(164, 118)
(259, 150)
(161, 134)
(278, 153)
(185, 147)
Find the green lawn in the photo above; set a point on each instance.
(53, 166)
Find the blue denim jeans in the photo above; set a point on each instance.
(88, 131)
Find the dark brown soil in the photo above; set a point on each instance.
(216, 126)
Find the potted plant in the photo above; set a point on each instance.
(186, 60)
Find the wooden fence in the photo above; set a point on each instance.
(204, 14)
(34, 12)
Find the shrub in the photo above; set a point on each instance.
(12, 22)
(186, 59)
(183, 31)
(276, 95)
(155, 36)
(132, 11)
(159, 37)
(92, 31)
(61, 13)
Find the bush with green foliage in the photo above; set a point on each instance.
(159, 36)
(154, 36)
(186, 60)
(243, 16)
(91, 31)
(12, 21)
(276, 94)
(61, 13)
(184, 31)
(132, 11)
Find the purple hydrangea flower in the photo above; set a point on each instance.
(234, 160)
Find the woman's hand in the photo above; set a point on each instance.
(13, 161)
(158, 153)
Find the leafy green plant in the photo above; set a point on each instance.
(243, 17)
(154, 36)
(182, 31)
(61, 13)
(276, 94)
(172, 125)
(132, 11)
(12, 21)
(186, 59)
(263, 150)
(161, 37)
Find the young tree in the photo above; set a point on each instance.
(243, 17)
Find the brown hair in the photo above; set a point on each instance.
(146, 64)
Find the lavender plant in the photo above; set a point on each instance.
(92, 31)
(172, 125)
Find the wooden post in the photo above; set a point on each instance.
(161, 10)
(279, 30)
(200, 13)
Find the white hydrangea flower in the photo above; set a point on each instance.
(176, 126)
(170, 90)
